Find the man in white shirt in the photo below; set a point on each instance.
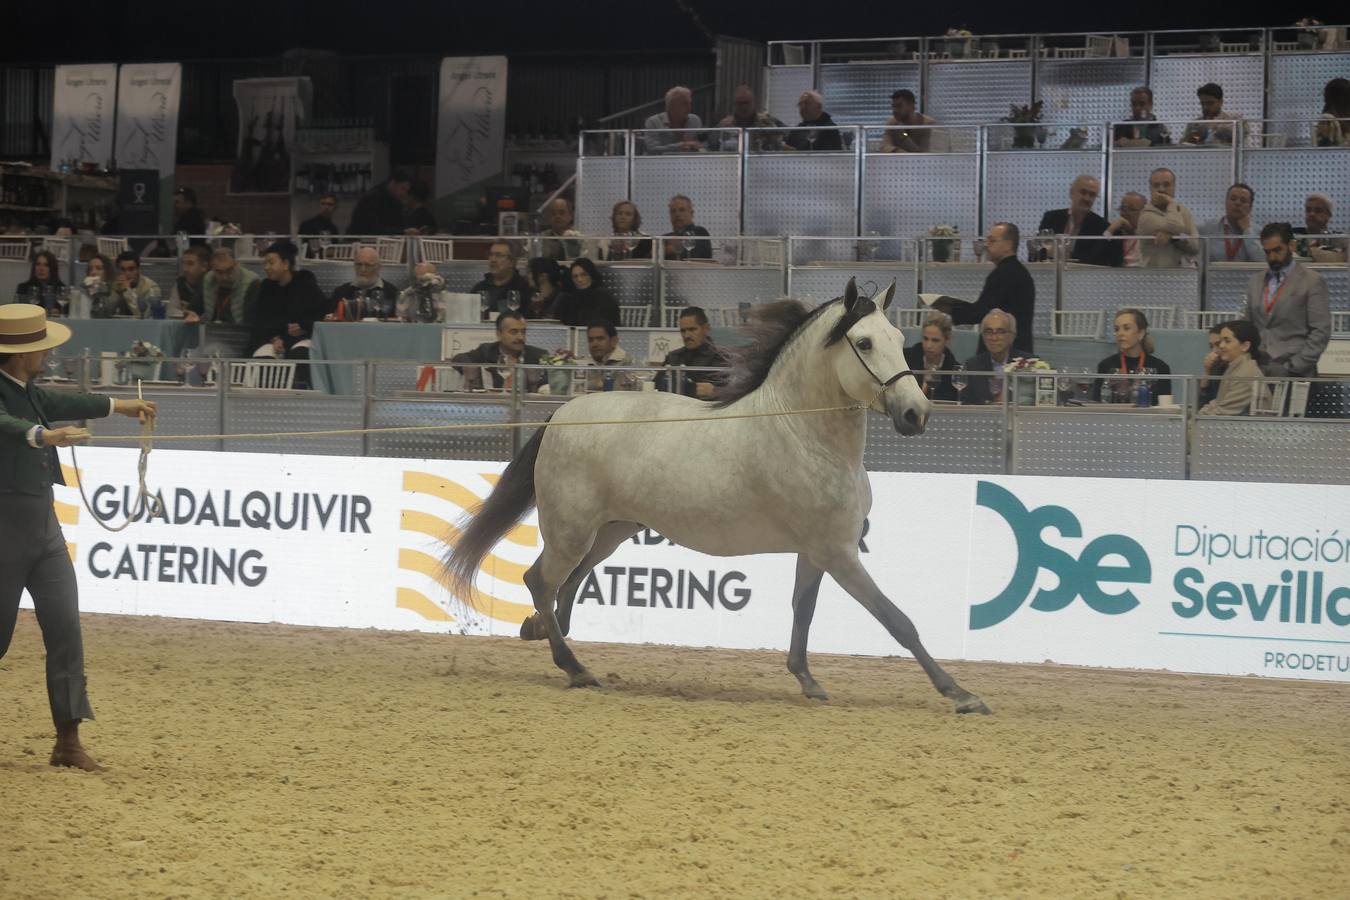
(676, 129)
(1231, 238)
(1166, 227)
(602, 341)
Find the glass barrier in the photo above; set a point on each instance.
(1043, 136)
(823, 139)
(653, 141)
(922, 138)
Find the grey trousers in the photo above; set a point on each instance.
(33, 555)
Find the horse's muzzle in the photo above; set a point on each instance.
(909, 417)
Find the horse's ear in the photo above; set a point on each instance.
(890, 295)
(851, 294)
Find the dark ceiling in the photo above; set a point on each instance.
(153, 29)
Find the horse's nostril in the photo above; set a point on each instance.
(912, 417)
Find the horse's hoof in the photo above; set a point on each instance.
(530, 630)
(582, 678)
(973, 704)
(813, 691)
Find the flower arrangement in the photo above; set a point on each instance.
(145, 349)
(946, 236)
(1025, 133)
(1026, 364)
(560, 357)
(963, 31)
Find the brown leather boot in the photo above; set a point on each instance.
(69, 751)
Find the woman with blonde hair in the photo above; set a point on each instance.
(932, 354)
(629, 241)
(1134, 355)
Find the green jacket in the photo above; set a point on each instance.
(32, 470)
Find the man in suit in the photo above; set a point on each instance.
(1230, 235)
(509, 349)
(1080, 220)
(1289, 306)
(999, 333)
(1008, 288)
(32, 549)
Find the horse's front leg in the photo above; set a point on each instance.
(852, 577)
(804, 592)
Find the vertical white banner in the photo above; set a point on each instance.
(147, 116)
(83, 105)
(269, 112)
(472, 123)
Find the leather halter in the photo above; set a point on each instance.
(875, 377)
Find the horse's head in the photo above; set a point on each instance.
(870, 362)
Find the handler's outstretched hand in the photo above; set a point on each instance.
(65, 437)
(137, 409)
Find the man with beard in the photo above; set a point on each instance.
(187, 290)
(367, 295)
(503, 289)
(229, 292)
(1290, 307)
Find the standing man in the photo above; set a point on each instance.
(1080, 220)
(1166, 227)
(1289, 306)
(1009, 288)
(321, 224)
(381, 211)
(1230, 236)
(187, 218)
(33, 551)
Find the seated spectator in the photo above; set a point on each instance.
(560, 240)
(904, 111)
(1134, 356)
(229, 292)
(1215, 126)
(1333, 126)
(676, 129)
(815, 130)
(698, 351)
(1239, 345)
(629, 240)
(746, 114)
(1231, 238)
(602, 341)
(1126, 225)
(509, 349)
(44, 286)
(321, 223)
(95, 297)
(380, 211)
(683, 228)
(1289, 305)
(546, 279)
(187, 288)
(133, 294)
(1141, 110)
(418, 219)
(1079, 219)
(1166, 227)
(187, 218)
(588, 301)
(289, 303)
(503, 289)
(998, 330)
(932, 354)
(367, 295)
(1317, 221)
(1212, 368)
(424, 299)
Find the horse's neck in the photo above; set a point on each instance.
(800, 380)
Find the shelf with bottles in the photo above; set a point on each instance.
(326, 175)
(24, 189)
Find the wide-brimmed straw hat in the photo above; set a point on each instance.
(24, 328)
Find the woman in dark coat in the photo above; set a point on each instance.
(587, 302)
(932, 354)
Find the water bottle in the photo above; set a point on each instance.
(1143, 399)
(157, 308)
(608, 380)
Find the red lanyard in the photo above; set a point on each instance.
(1231, 248)
(1126, 369)
(1269, 300)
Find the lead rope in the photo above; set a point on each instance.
(146, 503)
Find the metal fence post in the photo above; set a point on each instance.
(367, 403)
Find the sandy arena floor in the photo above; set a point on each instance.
(276, 761)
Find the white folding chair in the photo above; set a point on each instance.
(1340, 323)
(435, 250)
(1206, 319)
(1268, 398)
(1159, 316)
(670, 316)
(274, 375)
(14, 248)
(910, 318)
(634, 316)
(448, 378)
(238, 374)
(391, 249)
(58, 246)
(1077, 323)
(724, 317)
(112, 246)
(340, 251)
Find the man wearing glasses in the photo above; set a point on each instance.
(367, 295)
(1008, 288)
(503, 289)
(999, 333)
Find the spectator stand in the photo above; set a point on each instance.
(711, 179)
(1175, 290)
(805, 191)
(743, 272)
(819, 267)
(909, 193)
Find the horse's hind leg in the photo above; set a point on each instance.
(543, 579)
(804, 592)
(853, 578)
(606, 541)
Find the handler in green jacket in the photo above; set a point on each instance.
(32, 549)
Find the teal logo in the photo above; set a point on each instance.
(1081, 577)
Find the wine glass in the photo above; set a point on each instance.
(811, 137)
(513, 300)
(978, 247)
(688, 244)
(960, 380)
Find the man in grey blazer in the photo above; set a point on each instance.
(33, 553)
(1289, 306)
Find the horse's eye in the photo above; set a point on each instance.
(865, 344)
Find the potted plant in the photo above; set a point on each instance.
(1037, 391)
(560, 381)
(1025, 134)
(141, 362)
(946, 239)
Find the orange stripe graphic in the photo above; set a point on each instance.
(70, 548)
(425, 523)
(465, 499)
(67, 513)
(488, 605)
(416, 602)
(72, 476)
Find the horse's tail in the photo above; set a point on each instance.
(483, 527)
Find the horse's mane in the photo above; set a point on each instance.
(772, 327)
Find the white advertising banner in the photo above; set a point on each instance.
(472, 121)
(147, 116)
(84, 102)
(1184, 576)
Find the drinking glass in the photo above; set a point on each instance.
(811, 137)
(978, 247)
(960, 379)
(688, 244)
(513, 300)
